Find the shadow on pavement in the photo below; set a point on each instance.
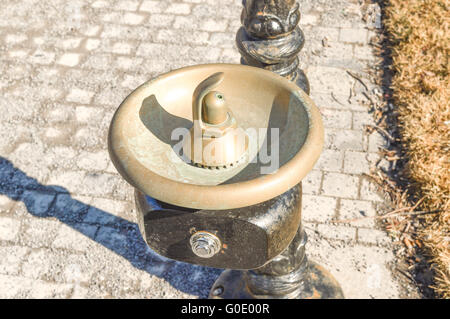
(117, 234)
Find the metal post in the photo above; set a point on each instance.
(271, 39)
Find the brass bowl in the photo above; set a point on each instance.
(141, 146)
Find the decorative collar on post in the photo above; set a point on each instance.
(271, 39)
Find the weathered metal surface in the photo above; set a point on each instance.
(271, 39)
(270, 18)
(290, 275)
(317, 283)
(204, 244)
(215, 140)
(250, 236)
(143, 138)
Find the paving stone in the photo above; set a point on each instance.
(376, 142)
(38, 264)
(214, 25)
(127, 5)
(86, 114)
(11, 141)
(79, 96)
(65, 181)
(356, 163)
(320, 32)
(361, 119)
(218, 39)
(135, 32)
(69, 59)
(96, 62)
(87, 137)
(370, 191)
(5, 203)
(157, 50)
(44, 290)
(229, 56)
(42, 57)
(111, 169)
(123, 18)
(38, 203)
(27, 157)
(69, 44)
(308, 19)
(363, 272)
(89, 161)
(92, 44)
(39, 232)
(333, 118)
(56, 135)
(376, 161)
(12, 285)
(364, 53)
(78, 237)
(110, 98)
(122, 48)
(175, 36)
(105, 212)
(318, 208)
(179, 8)
(353, 35)
(345, 140)
(90, 30)
(153, 6)
(132, 82)
(338, 232)
(18, 54)
(80, 292)
(9, 228)
(70, 208)
(328, 79)
(311, 183)
(335, 100)
(109, 238)
(340, 185)
(59, 113)
(57, 266)
(357, 212)
(373, 236)
(128, 64)
(12, 258)
(330, 160)
(15, 38)
(339, 53)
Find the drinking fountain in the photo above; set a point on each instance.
(216, 154)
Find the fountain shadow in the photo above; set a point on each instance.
(114, 233)
(161, 123)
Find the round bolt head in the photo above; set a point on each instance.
(205, 244)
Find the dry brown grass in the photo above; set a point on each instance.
(420, 37)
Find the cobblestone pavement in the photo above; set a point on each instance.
(67, 219)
